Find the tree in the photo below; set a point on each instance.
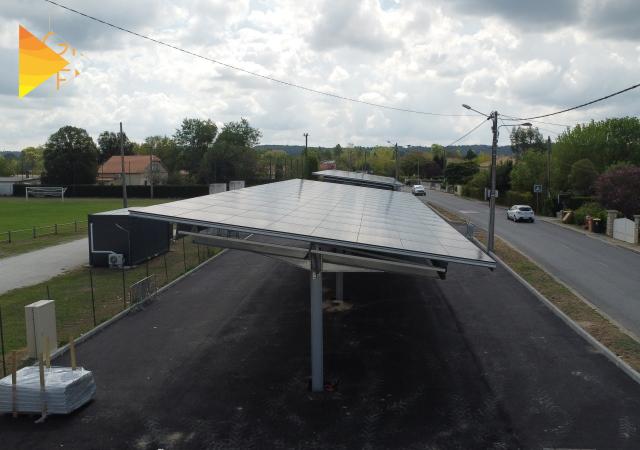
(460, 173)
(438, 154)
(32, 160)
(240, 133)
(164, 148)
(70, 157)
(193, 138)
(232, 155)
(604, 143)
(7, 167)
(529, 170)
(109, 144)
(470, 156)
(583, 176)
(524, 139)
(618, 189)
(337, 152)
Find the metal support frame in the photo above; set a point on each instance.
(315, 285)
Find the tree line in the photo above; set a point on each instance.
(599, 161)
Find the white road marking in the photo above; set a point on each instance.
(468, 211)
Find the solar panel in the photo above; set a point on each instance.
(344, 215)
(358, 177)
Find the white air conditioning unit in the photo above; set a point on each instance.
(116, 260)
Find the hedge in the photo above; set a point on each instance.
(159, 191)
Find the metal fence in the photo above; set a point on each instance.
(25, 234)
(87, 296)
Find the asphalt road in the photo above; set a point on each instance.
(41, 265)
(606, 275)
(221, 360)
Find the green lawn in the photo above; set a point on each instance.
(16, 213)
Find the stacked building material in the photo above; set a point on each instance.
(63, 391)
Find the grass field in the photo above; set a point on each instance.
(55, 221)
(16, 213)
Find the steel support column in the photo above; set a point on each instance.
(315, 281)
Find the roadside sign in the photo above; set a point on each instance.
(537, 188)
(487, 193)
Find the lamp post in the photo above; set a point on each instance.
(492, 193)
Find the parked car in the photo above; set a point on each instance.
(520, 212)
(418, 189)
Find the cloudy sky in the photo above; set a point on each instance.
(520, 58)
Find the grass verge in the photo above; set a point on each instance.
(585, 315)
(79, 292)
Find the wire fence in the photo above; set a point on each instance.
(69, 228)
(86, 297)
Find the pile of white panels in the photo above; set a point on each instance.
(65, 390)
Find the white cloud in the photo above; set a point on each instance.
(429, 56)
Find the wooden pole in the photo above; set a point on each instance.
(42, 390)
(14, 383)
(72, 352)
(46, 353)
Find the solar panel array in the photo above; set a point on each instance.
(358, 176)
(346, 215)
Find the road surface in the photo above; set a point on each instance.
(41, 265)
(606, 275)
(221, 360)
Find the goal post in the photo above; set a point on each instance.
(42, 191)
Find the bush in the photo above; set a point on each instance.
(577, 201)
(589, 209)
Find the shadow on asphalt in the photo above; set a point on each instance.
(221, 360)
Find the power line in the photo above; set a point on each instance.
(580, 106)
(249, 72)
(467, 133)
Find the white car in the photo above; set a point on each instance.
(418, 189)
(520, 212)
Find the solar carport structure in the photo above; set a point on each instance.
(326, 227)
(358, 179)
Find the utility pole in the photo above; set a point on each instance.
(151, 168)
(492, 193)
(124, 180)
(396, 160)
(304, 160)
(548, 166)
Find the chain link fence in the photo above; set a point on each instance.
(69, 228)
(86, 297)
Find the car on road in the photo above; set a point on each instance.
(519, 213)
(418, 189)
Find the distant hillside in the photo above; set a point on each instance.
(503, 150)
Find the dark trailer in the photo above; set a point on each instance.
(115, 233)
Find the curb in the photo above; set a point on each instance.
(615, 359)
(100, 327)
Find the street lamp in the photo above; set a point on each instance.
(492, 193)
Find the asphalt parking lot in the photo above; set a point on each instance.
(221, 360)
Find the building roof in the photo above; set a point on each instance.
(132, 164)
